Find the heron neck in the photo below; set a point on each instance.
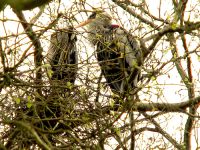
(97, 32)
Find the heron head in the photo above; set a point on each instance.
(97, 18)
(98, 24)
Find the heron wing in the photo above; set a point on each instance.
(130, 48)
(62, 55)
(118, 55)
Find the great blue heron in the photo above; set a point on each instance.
(62, 56)
(118, 52)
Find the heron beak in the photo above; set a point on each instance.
(84, 23)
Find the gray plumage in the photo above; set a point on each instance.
(118, 52)
(62, 55)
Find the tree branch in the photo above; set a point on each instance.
(169, 29)
(166, 107)
(177, 62)
(31, 130)
(26, 4)
(134, 106)
(2, 56)
(191, 92)
(126, 8)
(142, 9)
(36, 42)
(164, 133)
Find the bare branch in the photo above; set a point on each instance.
(27, 4)
(178, 64)
(31, 130)
(164, 133)
(126, 8)
(2, 55)
(141, 7)
(36, 42)
(191, 93)
(156, 37)
(35, 18)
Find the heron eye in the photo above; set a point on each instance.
(92, 16)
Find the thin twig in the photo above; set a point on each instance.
(36, 42)
(32, 131)
(164, 133)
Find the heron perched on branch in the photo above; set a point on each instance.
(118, 52)
(62, 56)
(63, 59)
